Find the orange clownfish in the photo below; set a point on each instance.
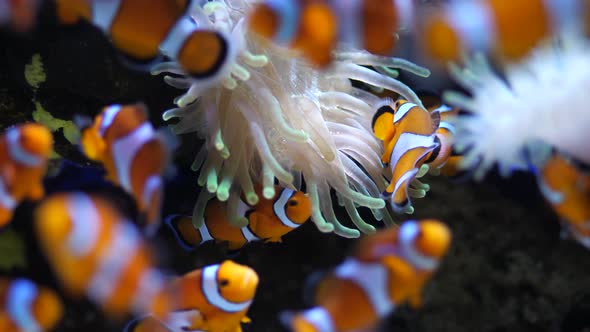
(19, 14)
(386, 270)
(408, 134)
(509, 29)
(27, 307)
(94, 251)
(134, 155)
(567, 189)
(24, 151)
(307, 26)
(164, 27)
(213, 299)
(315, 27)
(268, 220)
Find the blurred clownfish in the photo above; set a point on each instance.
(94, 251)
(213, 299)
(315, 27)
(143, 32)
(134, 155)
(509, 29)
(408, 134)
(567, 189)
(24, 151)
(268, 220)
(28, 308)
(19, 14)
(386, 270)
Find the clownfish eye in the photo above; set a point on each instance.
(293, 203)
(223, 282)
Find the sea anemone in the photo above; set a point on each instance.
(274, 116)
(541, 99)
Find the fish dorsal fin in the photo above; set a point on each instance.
(382, 122)
(435, 116)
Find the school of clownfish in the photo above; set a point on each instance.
(97, 253)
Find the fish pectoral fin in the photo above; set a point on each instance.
(246, 320)
(399, 268)
(8, 174)
(415, 300)
(37, 192)
(276, 239)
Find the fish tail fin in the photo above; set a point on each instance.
(187, 236)
(315, 319)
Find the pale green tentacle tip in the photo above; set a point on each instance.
(268, 192)
(223, 192)
(417, 193)
(366, 228)
(325, 227)
(423, 170)
(240, 222)
(224, 153)
(252, 198)
(409, 210)
(346, 232)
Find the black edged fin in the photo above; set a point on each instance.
(139, 64)
(435, 116)
(172, 221)
(434, 152)
(133, 324)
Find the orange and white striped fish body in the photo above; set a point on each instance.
(172, 28)
(444, 138)
(309, 26)
(214, 299)
(24, 152)
(387, 269)
(567, 189)
(26, 307)
(372, 24)
(508, 29)
(94, 251)
(19, 14)
(408, 134)
(268, 220)
(134, 155)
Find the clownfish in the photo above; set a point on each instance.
(213, 299)
(133, 153)
(567, 189)
(94, 251)
(24, 152)
(386, 270)
(508, 29)
(143, 32)
(268, 220)
(408, 132)
(18, 14)
(443, 137)
(316, 27)
(26, 307)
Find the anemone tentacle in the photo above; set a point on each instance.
(273, 116)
